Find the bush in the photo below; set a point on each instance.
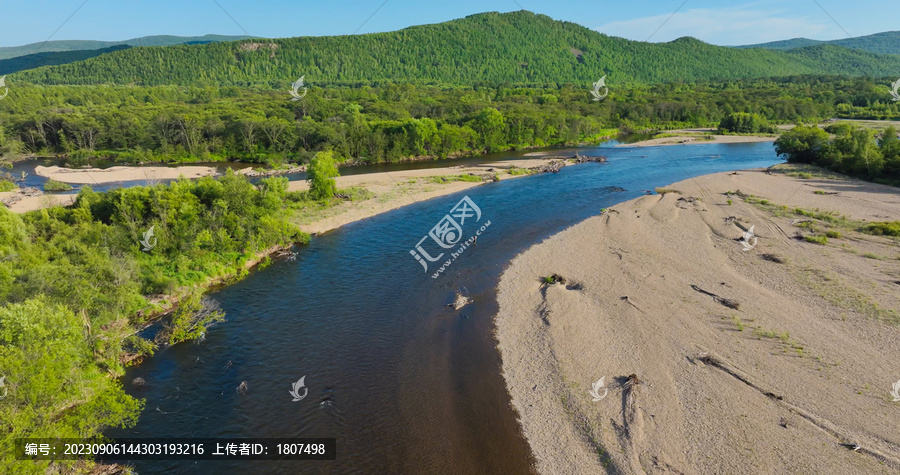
(6, 185)
(53, 185)
(886, 228)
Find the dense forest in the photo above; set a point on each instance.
(393, 122)
(844, 148)
(518, 47)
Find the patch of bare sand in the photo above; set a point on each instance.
(121, 173)
(698, 136)
(21, 204)
(804, 364)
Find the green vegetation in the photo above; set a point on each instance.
(537, 50)
(452, 178)
(515, 171)
(53, 185)
(322, 171)
(6, 185)
(663, 191)
(7, 52)
(853, 151)
(816, 239)
(77, 285)
(887, 42)
(31, 61)
(744, 123)
(885, 228)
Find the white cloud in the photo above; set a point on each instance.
(727, 26)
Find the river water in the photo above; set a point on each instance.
(405, 383)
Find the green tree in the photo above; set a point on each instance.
(321, 173)
(801, 144)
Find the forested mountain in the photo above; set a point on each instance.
(518, 47)
(887, 42)
(77, 45)
(31, 61)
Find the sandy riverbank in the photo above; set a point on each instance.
(804, 363)
(698, 136)
(91, 176)
(393, 190)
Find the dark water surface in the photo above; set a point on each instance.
(405, 383)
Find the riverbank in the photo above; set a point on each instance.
(392, 190)
(93, 176)
(698, 136)
(713, 359)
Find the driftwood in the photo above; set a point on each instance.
(733, 304)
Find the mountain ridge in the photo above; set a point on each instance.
(885, 42)
(58, 46)
(516, 47)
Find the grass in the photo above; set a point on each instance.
(737, 323)
(6, 185)
(452, 178)
(53, 185)
(806, 171)
(833, 235)
(823, 240)
(842, 295)
(514, 171)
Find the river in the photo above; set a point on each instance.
(404, 382)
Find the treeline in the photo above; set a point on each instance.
(851, 150)
(393, 122)
(517, 48)
(77, 283)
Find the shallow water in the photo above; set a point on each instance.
(405, 383)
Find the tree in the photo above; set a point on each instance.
(321, 173)
(802, 144)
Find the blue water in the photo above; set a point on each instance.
(405, 383)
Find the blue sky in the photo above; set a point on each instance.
(32, 21)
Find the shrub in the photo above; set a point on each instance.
(53, 185)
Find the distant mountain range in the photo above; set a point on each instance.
(8, 52)
(517, 48)
(31, 61)
(887, 42)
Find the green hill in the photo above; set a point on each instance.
(887, 42)
(31, 61)
(518, 47)
(8, 52)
